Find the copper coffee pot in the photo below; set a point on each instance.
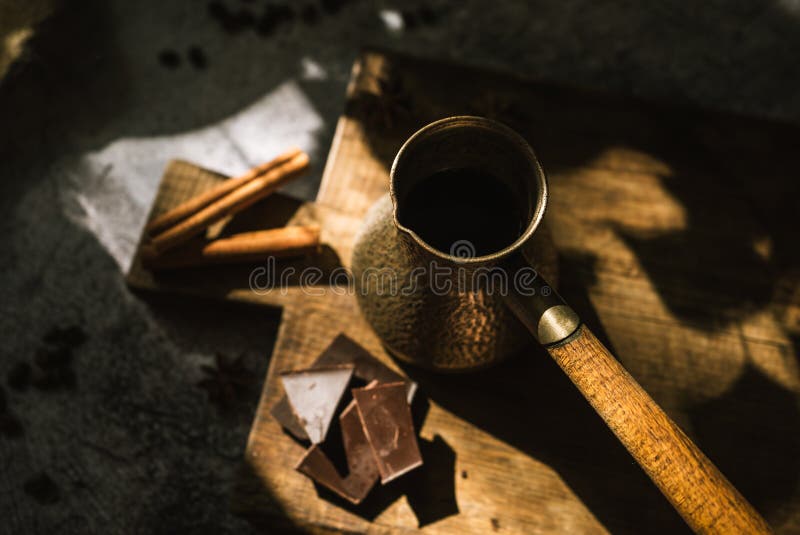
(460, 306)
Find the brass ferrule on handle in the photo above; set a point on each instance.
(546, 315)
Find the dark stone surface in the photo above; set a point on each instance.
(115, 420)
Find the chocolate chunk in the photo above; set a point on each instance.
(386, 418)
(363, 472)
(316, 465)
(282, 412)
(314, 395)
(363, 469)
(343, 350)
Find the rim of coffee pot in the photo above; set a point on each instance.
(440, 127)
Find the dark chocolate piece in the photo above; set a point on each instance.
(343, 350)
(363, 472)
(316, 465)
(386, 418)
(314, 395)
(282, 412)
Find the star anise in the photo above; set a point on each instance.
(386, 103)
(498, 107)
(227, 382)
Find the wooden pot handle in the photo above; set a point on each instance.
(696, 488)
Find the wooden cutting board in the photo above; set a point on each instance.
(676, 235)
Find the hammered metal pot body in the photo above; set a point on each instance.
(428, 305)
(420, 324)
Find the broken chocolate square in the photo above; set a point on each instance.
(282, 412)
(314, 395)
(316, 465)
(343, 350)
(386, 418)
(363, 472)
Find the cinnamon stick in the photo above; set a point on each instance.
(184, 210)
(235, 201)
(240, 248)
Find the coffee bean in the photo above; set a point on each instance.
(19, 377)
(427, 15)
(409, 19)
(169, 59)
(48, 358)
(42, 489)
(309, 14)
(333, 6)
(197, 58)
(53, 379)
(10, 426)
(67, 337)
(273, 17)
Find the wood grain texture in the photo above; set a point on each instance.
(694, 486)
(683, 263)
(233, 202)
(246, 247)
(223, 188)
